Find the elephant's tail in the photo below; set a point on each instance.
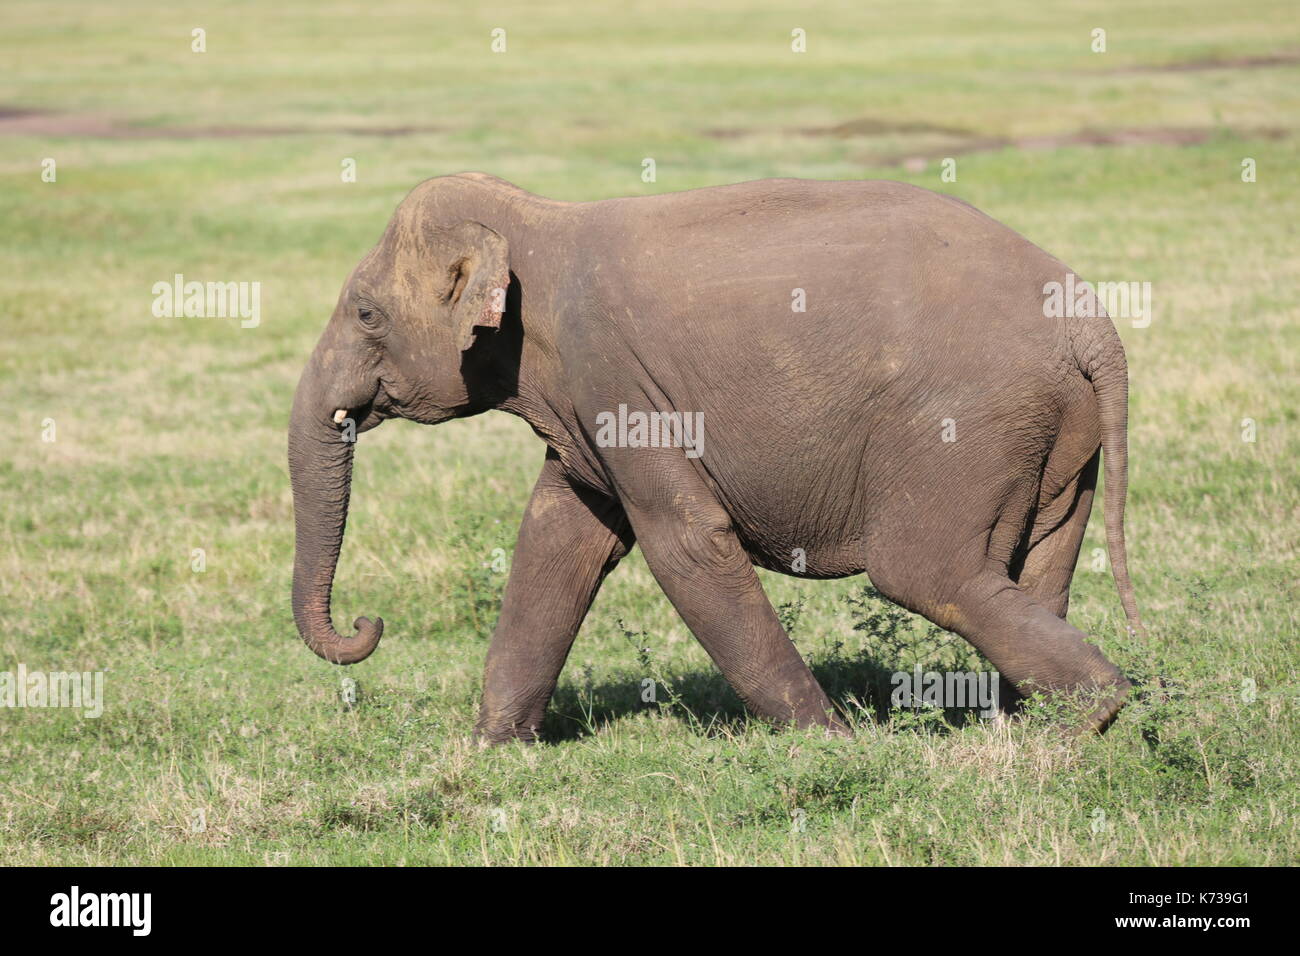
(1100, 356)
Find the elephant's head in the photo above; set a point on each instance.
(398, 345)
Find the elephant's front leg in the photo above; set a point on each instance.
(571, 537)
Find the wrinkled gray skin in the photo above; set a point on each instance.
(823, 429)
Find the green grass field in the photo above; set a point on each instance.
(224, 741)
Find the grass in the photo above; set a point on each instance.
(170, 437)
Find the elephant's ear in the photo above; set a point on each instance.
(480, 276)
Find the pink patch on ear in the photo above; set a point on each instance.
(490, 317)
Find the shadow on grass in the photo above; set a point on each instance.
(702, 700)
(858, 684)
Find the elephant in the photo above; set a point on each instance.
(873, 381)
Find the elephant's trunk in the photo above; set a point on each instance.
(320, 468)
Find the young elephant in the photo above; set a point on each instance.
(820, 378)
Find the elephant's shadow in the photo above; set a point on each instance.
(704, 700)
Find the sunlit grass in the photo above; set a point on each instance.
(171, 437)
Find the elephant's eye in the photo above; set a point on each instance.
(372, 318)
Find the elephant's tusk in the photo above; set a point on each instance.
(340, 415)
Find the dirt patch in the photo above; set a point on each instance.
(21, 122)
(870, 126)
(955, 141)
(1217, 63)
(863, 126)
(1132, 136)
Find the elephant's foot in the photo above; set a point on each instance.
(1105, 712)
(830, 725)
(834, 727)
(493, 729)
(489, 738)
(1083, 712)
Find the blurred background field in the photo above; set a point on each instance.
(225, 165)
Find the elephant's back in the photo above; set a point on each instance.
(842, 284)
(771, 254)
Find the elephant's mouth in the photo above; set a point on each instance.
(383, 406)
(365, 417)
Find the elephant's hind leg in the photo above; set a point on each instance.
(1033, 647)
(969, 591)
(1046, 567)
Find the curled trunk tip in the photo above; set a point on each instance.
(337, 649)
